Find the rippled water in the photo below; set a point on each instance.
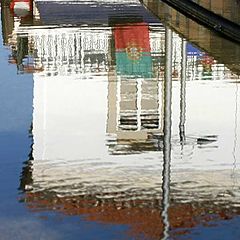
(119, 120)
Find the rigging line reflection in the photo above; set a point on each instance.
(167, 133)
(183, 94)
(235, 136)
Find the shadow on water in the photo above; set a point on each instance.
(128, 123)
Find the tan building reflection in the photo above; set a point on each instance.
(134, 115)
(135, 99)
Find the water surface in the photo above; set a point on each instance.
(117, 122)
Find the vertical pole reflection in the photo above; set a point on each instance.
(183, 93)
(167, 132)
(233, 175)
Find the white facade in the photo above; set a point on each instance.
(70, 51)
(74, 111)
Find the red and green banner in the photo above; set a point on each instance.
(21, 8)
(132, 45)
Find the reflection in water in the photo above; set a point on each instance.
(104, 126)
(223, 8)
(167, 133)
(200, 36)
(183, 93)
(235, 141)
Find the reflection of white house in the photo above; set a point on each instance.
(76, 105)
(70, 156)
(82, 51)
(71, 114)
(71, 51)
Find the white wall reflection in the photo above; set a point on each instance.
(87, 121)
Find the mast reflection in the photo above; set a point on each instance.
(167, 134)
